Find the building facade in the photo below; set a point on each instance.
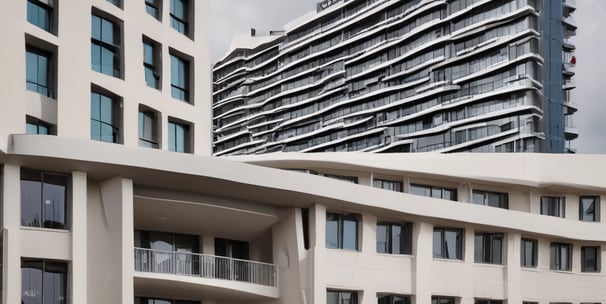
(402, 76)
(108, 193)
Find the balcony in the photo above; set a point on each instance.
(568, 69)
(570, 23)
(570, 131)
(569, 6)
(205, 266)
(170, 274)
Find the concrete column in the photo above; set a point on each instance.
(368, 233)
(79, 268)
(11, 261)
(467, 290)
(422, 238)
(514, 288)
(464, 193)
(318, 244)
(110, 241)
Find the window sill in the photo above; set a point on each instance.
(41, 229)
(343, 250)
(448, 260)
(489, 265)
(530, 269)
(562, 271)
(397, 255)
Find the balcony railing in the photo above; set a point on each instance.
(205, 266)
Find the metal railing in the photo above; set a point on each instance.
(205, 266)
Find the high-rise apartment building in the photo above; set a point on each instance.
(402, 76)
(108, 193)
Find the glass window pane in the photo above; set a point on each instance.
(332, 231)
(31, 67)
(382, 238)
(95, 53)
(451, 244)
(31, 195)
(96, 27)
(478, 248)
(54, 192)
(437, 243)
(396, 232)
(350, 234)
(107, 32)
(497, 249)
(31, 282)
(55, 279)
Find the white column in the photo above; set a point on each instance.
(423, 235)
(11, 260)
(318, 245)
(514, 277)
(79, 267)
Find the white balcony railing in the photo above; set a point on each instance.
(205, 266)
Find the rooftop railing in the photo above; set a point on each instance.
(205, 266)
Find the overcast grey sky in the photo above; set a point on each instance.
(236, 17)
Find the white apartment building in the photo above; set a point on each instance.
(97, 205)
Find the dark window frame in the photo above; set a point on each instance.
(46, 267)
(154, 8)
(153, 140)
(180, 91)
(341, 218)
(555, 253)
(114, 46)
(459, 246)
(534, 253)
(45, 89)
(180, 23)
(553, 206)
(597, 259)
(503, 198)
(443, 300)
(54, 179)
(583, 215)
(432, 189)
(154, 68)
(38, 124)
(173, 138)
(396, 186)
(405, 239)
(116, 117)
(486, 241)
(353, 296)
(393, 299)
(49, 10)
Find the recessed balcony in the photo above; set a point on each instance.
(201, 276)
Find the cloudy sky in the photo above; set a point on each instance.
(236, 17)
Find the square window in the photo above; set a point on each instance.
(589, 208)
(394, 238)
(179, 78)
(42, 281)
(561, 256)
(553, 206)
(105, 118)
(178, 137)
(43, 199)
(488, 248)
(40, 14)
(342, 231)
(105, 46)
(590, 259)
(448, 243)
(529, 253)
(39, 71)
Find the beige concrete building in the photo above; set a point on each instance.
(98, 206)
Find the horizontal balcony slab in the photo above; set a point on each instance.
(163, 285)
